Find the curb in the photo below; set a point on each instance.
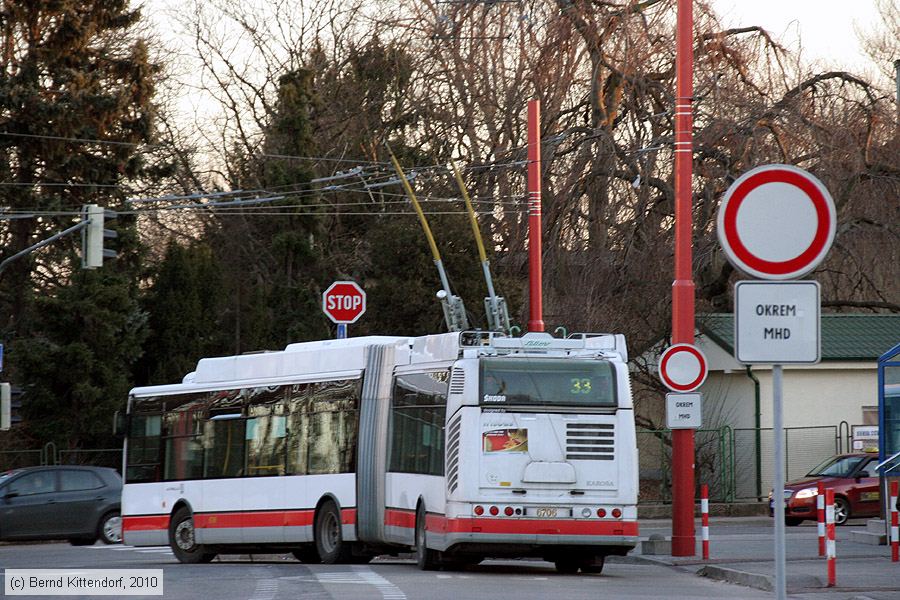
(754, 580)
(759, 581)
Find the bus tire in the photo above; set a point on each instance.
(329, 539)
(594, 566)
(427, 560)
(182, 541)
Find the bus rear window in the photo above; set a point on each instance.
(551, 382)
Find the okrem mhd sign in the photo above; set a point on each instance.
(777, 322)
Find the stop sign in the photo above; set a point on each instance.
(344, 302)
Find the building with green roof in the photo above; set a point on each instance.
(822, 402)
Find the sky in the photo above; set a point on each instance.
(824, 27)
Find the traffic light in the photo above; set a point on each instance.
(10, 405)
(94, 236)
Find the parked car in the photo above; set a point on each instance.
(855, 484)
(79, 504)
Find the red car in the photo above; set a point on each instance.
(855, 484)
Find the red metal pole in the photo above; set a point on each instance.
(535, 300)
(820, 516)
(683, 535)
(704, 515)
(829, 527)
(895, 523)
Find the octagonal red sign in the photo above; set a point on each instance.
(344, 302)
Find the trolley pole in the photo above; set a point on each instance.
(535, 299)
(683, 533)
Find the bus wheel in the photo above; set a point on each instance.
(594, 566)
(182, 542)
(425, 558)
(329, 539)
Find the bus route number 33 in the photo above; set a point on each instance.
(580, 385)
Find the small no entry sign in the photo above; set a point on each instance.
(682, 367)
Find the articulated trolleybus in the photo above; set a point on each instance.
(457, 446)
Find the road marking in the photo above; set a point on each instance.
(364, 576)
(266, 589)
(388, 590)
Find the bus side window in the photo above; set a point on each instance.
(322, 423)
(418, 411)
(265, 437)
(183, 449)
(224, 441)
(144, 448)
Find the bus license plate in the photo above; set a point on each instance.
(548, 512)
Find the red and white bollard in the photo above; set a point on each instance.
(829, 531)
(895, 524)
(704, 523)
(820, 516)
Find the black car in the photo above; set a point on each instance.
(79, 504)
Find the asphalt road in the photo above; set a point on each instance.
(270, 577)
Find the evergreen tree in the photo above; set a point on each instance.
(184, 307)
(76, 85)
(274, 261)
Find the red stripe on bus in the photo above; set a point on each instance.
(441, 524)
(145, 523)
(267, 518)
(543, 527)
(400, 518)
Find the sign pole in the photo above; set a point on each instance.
(683, 534)
(535, 268)
(778, 488)
(341, 331)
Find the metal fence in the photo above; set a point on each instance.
(50, 455)
(737, 464)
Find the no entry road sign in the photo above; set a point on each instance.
(776, 222)
(682, 367)
(344, 302)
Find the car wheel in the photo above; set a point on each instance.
(426, 559)
(841, 510)
(110, 528)
(182, 541)
(329, 538)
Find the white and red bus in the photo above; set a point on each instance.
(457, 446)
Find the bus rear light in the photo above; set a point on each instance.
(495, 511)
(479, 510)
(508, 511)
(518, 511)
(601, 512)
(585, 512)
(616, 513)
